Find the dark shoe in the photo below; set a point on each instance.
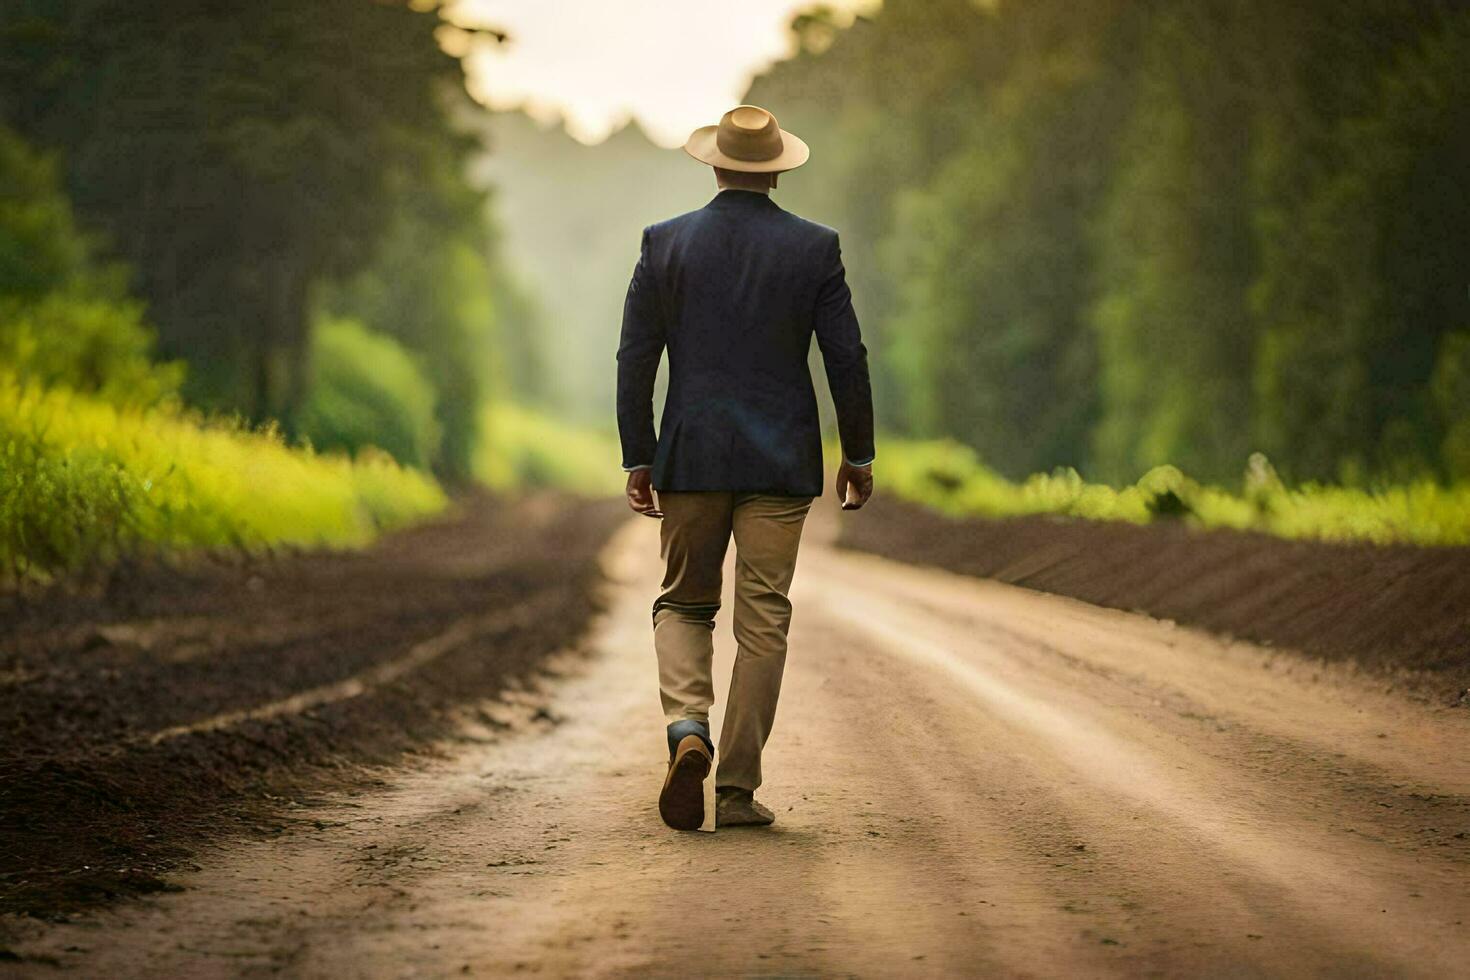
(681, 803)
(735, 807)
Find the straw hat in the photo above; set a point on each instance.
(748, 139)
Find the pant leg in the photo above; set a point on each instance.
(694, 536)
(767, 531)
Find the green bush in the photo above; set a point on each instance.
(520, 447)
(96, 345)
(40, 247)
(951, 478)
(368, 391)
(65, 318)
(1450, 388)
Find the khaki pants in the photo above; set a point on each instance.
(696, 531)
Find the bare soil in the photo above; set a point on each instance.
(1401, 612)
(970, 779)
(148, 714)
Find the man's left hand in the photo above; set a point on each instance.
(640, 493)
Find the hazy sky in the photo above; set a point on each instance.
(672, 64)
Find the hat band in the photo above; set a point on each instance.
(750, 147)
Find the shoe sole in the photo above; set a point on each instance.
(681, 803)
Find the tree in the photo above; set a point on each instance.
(1175, 256)
(235, 154)
(1364, 287)
(991, 259)
(1257, 208)
(431, 285)
(883, 104)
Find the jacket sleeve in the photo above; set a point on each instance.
(845, 358)
(639, 349)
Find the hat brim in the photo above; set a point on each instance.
(703, 147)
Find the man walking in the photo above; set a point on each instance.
(735, 291)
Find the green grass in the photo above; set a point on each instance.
(522, 447)
(951, 478)
(83, 482)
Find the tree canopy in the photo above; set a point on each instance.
(1114, 235)
(240, 157)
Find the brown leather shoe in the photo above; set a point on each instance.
(735, 807)
(681, 803)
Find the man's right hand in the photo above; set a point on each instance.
(854, 485)
(640, 493)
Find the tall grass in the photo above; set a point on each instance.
(84, 481)
(951, 478)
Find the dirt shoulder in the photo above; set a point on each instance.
(143, 718)
(1401, 611)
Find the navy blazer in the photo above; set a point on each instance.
(735, 291)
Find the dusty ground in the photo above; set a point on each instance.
(1400, 612)
(970, 779)
(143, 717)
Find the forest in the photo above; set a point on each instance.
(233, 237)
(272, 181)
(1125, 233)
(269, 275)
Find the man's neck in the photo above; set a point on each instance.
(753, 185)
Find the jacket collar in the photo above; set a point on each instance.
(733, 198)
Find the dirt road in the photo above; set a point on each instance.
(970, 779)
